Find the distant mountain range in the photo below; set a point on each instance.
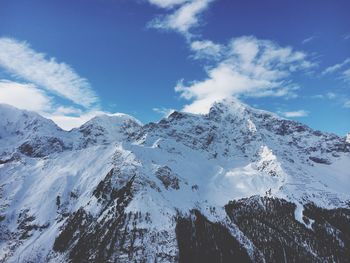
(235, 185)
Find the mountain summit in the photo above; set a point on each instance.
(236, 184)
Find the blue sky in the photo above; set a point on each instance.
(71, 60)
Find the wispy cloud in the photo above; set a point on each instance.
(248, 67)
(19, 59)
(336, 67)
(295, 114)
(328, 95)
(342, 69)
(309, 39)
(185, 16)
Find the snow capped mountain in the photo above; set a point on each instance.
(20, 123)
(108, 128)
(237, 183)
(19, 128)
(31, 134)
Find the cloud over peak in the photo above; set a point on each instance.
(247, 66)
(40, 80)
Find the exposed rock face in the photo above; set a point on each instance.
(86, 238)
(166, 176)
(235, 185)
(41, 147)
(319, 160)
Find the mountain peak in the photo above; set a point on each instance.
(15, 121)
(111, 120)
(229, 105)
(109, 127)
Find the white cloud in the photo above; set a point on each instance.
(24, 96)
(246, 66)
(206, 49)
(185, 17)
(295, 114)
(20, 59)
(249, 67)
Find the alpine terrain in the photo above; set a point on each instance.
(234, 185)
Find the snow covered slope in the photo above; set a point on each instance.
(114, 190)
